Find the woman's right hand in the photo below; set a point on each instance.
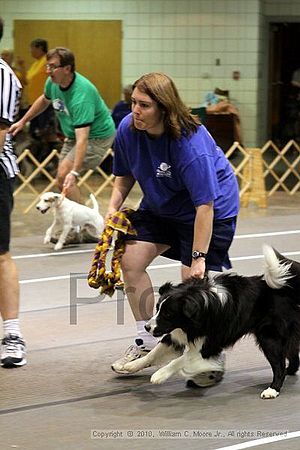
(109, 213)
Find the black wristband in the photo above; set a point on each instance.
(196, 254)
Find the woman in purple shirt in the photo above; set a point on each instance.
(190, 196)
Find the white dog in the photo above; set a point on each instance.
(68, 215)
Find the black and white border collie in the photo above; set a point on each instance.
(200, 318)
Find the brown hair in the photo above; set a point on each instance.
(177, 116)
(40, 43)
(66, 57)
(127, 91)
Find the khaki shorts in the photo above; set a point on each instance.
(96, 149)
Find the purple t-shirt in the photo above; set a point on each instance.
(177, 175)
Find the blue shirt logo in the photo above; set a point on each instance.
(59, 106)
(163, 170)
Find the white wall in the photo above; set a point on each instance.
(183, 38)
(282, 8)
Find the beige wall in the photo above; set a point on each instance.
(184, 38)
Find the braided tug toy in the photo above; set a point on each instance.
(98, 277)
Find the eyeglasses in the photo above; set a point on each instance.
(52, 67)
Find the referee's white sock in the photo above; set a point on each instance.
(11, 326)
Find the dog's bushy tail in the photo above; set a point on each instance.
(277, 268)
(95, 203)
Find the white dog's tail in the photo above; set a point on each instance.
(95, 203)
(277, 268)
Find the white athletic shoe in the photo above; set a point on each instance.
(13, 351)
(133, 352)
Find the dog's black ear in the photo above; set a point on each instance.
(165, 288)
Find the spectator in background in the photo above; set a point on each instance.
(123, 107)
(83, 115)
(8, 56)
(12, 348)
(42, 127)
(218, 102)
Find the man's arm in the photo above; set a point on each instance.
(82, 136)
(37, 108)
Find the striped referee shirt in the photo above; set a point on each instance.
(10, 93)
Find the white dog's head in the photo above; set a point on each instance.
(48, 200)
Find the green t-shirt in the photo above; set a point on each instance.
(80, 105)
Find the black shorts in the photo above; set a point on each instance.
(6, 206)
(179, 236)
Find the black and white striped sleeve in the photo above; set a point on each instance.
(9, 95)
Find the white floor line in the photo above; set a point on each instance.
(271, 233)
(43, 255)
(232, 258)
(244, 258)
(41, 280)
(263, 441)
(74, 252)
(152, 267)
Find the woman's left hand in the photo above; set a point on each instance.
(198, 268)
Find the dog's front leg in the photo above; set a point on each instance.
(160, 354)
(49, 232)
(189, 364)
(176, 365)
(162, 375)
(62, 238)
(195, 363)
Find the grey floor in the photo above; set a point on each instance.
(68, 389)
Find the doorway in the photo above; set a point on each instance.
(284, 98)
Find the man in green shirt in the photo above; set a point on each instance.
(83, 116)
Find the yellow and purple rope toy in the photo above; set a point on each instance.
(98, 276)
